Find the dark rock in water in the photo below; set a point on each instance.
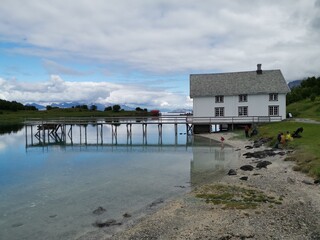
(180, 186)
(317, 181)
(17, 225)
(156, 202)
(244, 178)
(246, 168)
(263, 164)
(232, 172)
(126, 215)
(99, 211)
(108, 223)
(53, 216)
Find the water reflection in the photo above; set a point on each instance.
(49, 191)
(11, 128)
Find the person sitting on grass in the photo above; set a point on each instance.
(288, 137)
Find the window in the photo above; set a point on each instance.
(243, 111)
(219, 99)
(273, 97)
(243, 98)
(219, 112)
(273, 110)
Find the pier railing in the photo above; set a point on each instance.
(178, 119)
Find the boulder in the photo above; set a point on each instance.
(246, 168)
(99, 210)
(263, 164)
(232, 172)
(245, 178)
(108, 223)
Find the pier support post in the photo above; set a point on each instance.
(144, 133)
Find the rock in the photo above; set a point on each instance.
(263, 164)
(307, 182)
(260, 154)
(180, 186)
(99, 211)
(108, 223)
(232, 172)
(17, 225)
(317, 181)
(248, 147)
(53, 216)
(246, 168)
(291, 180)
(156, 202)
(245, 178)
(126, 215)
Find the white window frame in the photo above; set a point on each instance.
(243, 111)
(219, 99)
(273, 97)
(273, 110)
(243, 98)
(219, 112)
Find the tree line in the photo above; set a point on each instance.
(14, 106)
(309, 88)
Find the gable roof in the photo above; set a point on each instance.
(235, 83)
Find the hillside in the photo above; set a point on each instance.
(305, 109)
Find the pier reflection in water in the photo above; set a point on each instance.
(48, 191)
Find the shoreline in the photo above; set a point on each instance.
(296, 216)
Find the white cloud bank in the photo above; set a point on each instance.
(57, 90)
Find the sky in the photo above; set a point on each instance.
(142, 52)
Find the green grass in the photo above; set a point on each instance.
(306, 154)
(235, 197)
(10, 118)
(305, 109)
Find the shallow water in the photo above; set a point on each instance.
(49, 191)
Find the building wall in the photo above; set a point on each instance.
(258, 105)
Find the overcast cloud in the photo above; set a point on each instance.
(153, 38)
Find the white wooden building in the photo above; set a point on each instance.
(239, 95)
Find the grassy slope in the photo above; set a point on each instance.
(307, 154)
(305, 109)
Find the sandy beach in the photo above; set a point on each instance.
(291, 211)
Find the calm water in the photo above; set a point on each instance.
(48, 191)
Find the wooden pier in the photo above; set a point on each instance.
(58, 131)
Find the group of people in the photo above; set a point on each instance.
(283, 138)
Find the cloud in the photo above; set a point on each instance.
(56, 68)
(57, 90)
(165, 36)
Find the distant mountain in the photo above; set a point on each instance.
(38, 106)
(181, 110)
(295, 83)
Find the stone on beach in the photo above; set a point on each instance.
(232, 172)
(246, 168)
(263, 164)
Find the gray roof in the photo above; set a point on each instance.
(235, 83)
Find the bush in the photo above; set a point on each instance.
(108, 109)
(116, 108)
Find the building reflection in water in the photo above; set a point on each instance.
(210, 164)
